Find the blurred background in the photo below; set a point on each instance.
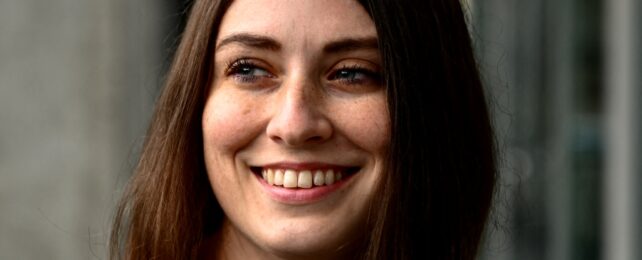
(78, 79)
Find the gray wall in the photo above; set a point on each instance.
(77, 83)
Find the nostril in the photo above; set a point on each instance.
(315, 139)
(297, 139)
(276, 138)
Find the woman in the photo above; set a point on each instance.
(315, 130)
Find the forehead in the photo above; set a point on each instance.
(306, 20)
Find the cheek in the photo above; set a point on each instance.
(228, 122)
(367, 124)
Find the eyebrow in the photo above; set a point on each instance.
(267, 43)
(251, 40)
(351, 44)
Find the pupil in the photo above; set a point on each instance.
(346, 74)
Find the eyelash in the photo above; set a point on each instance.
(236, 69)
(370, 75)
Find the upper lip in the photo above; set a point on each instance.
(300, 166)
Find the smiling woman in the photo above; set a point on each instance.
(291, 97)
(315, 130)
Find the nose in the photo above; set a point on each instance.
(297, 119)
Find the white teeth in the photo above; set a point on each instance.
(278, 177)
(329, 177)
(270, 176)
(319, 178)
(305, 179)
(290, 179)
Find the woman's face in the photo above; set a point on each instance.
(296, 125)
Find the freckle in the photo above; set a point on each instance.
(246, 111)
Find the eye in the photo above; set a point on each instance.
(356, 75)
(246, 71)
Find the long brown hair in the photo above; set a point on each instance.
(434, 201)
(168, 205)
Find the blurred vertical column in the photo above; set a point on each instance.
(541, 63)
(559, 42)
(622, 180)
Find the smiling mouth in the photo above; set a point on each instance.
(305, 178)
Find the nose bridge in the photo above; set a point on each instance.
(298, 97)
(297, 118)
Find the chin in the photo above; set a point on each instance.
(305, 243)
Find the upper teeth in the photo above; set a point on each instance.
(302, 179)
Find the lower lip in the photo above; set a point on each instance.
(299, 196)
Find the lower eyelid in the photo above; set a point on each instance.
(252, 82)
(243, 78)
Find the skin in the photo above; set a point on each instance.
(296, 101)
